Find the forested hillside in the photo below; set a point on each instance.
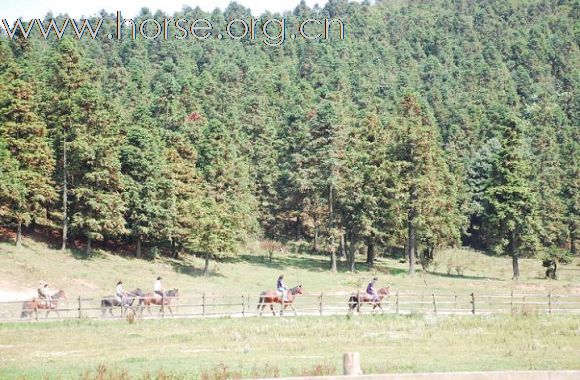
(433, 123)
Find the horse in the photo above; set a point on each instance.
(154, 299)
(108, 302)
(355, 301)
(272, 296)
(43, 304)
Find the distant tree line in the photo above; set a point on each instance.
(433, 124)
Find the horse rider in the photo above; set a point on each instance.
(121, 295)
(282, 288)
(43, 292)
(158, 288)
(371, 291)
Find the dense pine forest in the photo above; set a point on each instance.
(431, 124)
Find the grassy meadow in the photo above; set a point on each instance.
(253, 347)
(222, 348)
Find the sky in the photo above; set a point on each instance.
(29, 9)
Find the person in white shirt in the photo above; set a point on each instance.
(158, 288)
(121, 295)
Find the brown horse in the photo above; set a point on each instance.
(355, 301)
(154, 299)
(272, 296)
(35, 304)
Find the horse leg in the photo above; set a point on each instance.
(293, 309)
(272, 308)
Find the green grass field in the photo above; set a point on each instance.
(20, 270)
(253, 347)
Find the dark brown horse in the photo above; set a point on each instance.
(270, 297)
(154, 299)
(35, 304)
(355, 301)
(108, 302)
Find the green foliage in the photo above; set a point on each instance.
(389, 137)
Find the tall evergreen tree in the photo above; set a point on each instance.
(510, 203)
(25, 136)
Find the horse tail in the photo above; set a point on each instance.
(260, 302)
(25, 309)
(352, 302)
(24, 312)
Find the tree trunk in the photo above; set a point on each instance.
(342, 247)
(64, 197)
(333, 267)
(88, 247)
(573, 242)
(138, 251)
(411, 247)
(371, 254)
(206, 267)
(298, 228)
(316, 246)
(352, 252)
(514, 255)
(516, 267)
(19, 234)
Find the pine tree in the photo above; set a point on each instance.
(62, 99)
(424, 176)
(25, 136)
(95, 171)
(511, 208)
(145, 186)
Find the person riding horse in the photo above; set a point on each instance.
(371, 291)
(282, 288)
(43, 292)
(158, 288)
(121, 294)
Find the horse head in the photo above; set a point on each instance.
(59, 295)
(137, 293)
(297, 289)
(173, 293)
(383, 292)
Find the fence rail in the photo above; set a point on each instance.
(311, 304)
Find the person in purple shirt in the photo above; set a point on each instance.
(372, 291)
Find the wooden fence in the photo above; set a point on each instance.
(314, 304)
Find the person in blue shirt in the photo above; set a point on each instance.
(372, 291)
(281, 287)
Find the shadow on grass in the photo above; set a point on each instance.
(190, 270)
(463, 277)
(314, 263)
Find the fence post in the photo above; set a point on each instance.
(550, 302)
(320, 305)
(455, 306)
(80, 308)
(434, 305)
(203, 305)
(243, 306)
(397, 302)
(473, 303)
(351, 363)
(512, 302)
